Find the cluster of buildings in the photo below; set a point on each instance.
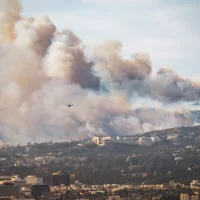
(103, 140)
(195, 184)
(30, 187)
(191, 196)
(113, 188)
(139, 139)
(16, 180)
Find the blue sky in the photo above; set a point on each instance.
(169, 30)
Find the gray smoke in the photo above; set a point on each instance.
(35, 33)
(43, 69)
(65, 59)
(9, 15)
(112, 67)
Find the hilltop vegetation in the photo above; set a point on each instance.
(175, 156)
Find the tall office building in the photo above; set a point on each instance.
(39, 190)
(9, 190)
(61, 179)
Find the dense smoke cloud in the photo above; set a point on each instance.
(169, 86)
(43, 69)
(35, 33)
(107, 57)
(65, 59)
(9, 15)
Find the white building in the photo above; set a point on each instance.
(144, 141)
(105, 141)
(101, 141)
(155, 139)
(33, 180)
(96, 140)
(177, 158)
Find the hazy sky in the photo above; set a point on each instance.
(167, 29)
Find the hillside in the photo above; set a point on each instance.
(169, 138)
(176, 153)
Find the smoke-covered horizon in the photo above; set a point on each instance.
(43, 69)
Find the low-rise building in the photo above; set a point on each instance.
(194, 196)
(195, 184)
(101, 141)
(114, 198)
(33, 180)
(4, 178)
(156, 186)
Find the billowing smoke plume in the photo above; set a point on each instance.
(108, 59)
(43, 70)
(35, 33)
(65, 60)
(175, 88)
(9, 15)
